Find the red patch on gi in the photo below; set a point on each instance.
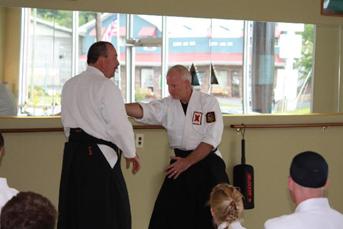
(197, 116)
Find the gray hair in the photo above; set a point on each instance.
(185, 74)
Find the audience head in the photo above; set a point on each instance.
(226, 204)
(2, 141)
(2, 146)
(103, 56)
(308, 176)
(28, 210)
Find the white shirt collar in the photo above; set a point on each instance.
(234, 225)
(313, 203)
(95, 70)
(223, 225)
(3, 182)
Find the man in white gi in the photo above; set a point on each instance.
(194, 124)
(307, 183)
(6, 193)
(93, 192)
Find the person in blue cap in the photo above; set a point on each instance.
(307, 183)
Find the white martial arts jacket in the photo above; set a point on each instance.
(314, 213)
(203, 121)
(6, 193)
(94, 103)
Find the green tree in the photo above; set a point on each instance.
(61, 17)
(64, 18)
(85, 17)
(304, 64)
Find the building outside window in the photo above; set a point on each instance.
(256, 70)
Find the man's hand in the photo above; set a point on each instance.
(176, 168)
(181, 164)
(135, 164)
(134, 110)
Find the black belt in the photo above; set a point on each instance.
(185, 153)
(79, 135)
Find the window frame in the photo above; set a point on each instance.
(130, 80)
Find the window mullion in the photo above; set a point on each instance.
(130, 65)
(75, 44)
(246, 66)
(24, 42)
(164, 51)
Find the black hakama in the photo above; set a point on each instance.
(92, 194)
(182, 203)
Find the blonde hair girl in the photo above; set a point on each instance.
(226, 206)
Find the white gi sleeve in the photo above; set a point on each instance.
(213, 123)
(118, 127)
(153, 112)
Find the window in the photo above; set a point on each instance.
(235, 84)
(46, 60)
(256, 70)
(148, 84)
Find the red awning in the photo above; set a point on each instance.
(122, 31)
(147, 32)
